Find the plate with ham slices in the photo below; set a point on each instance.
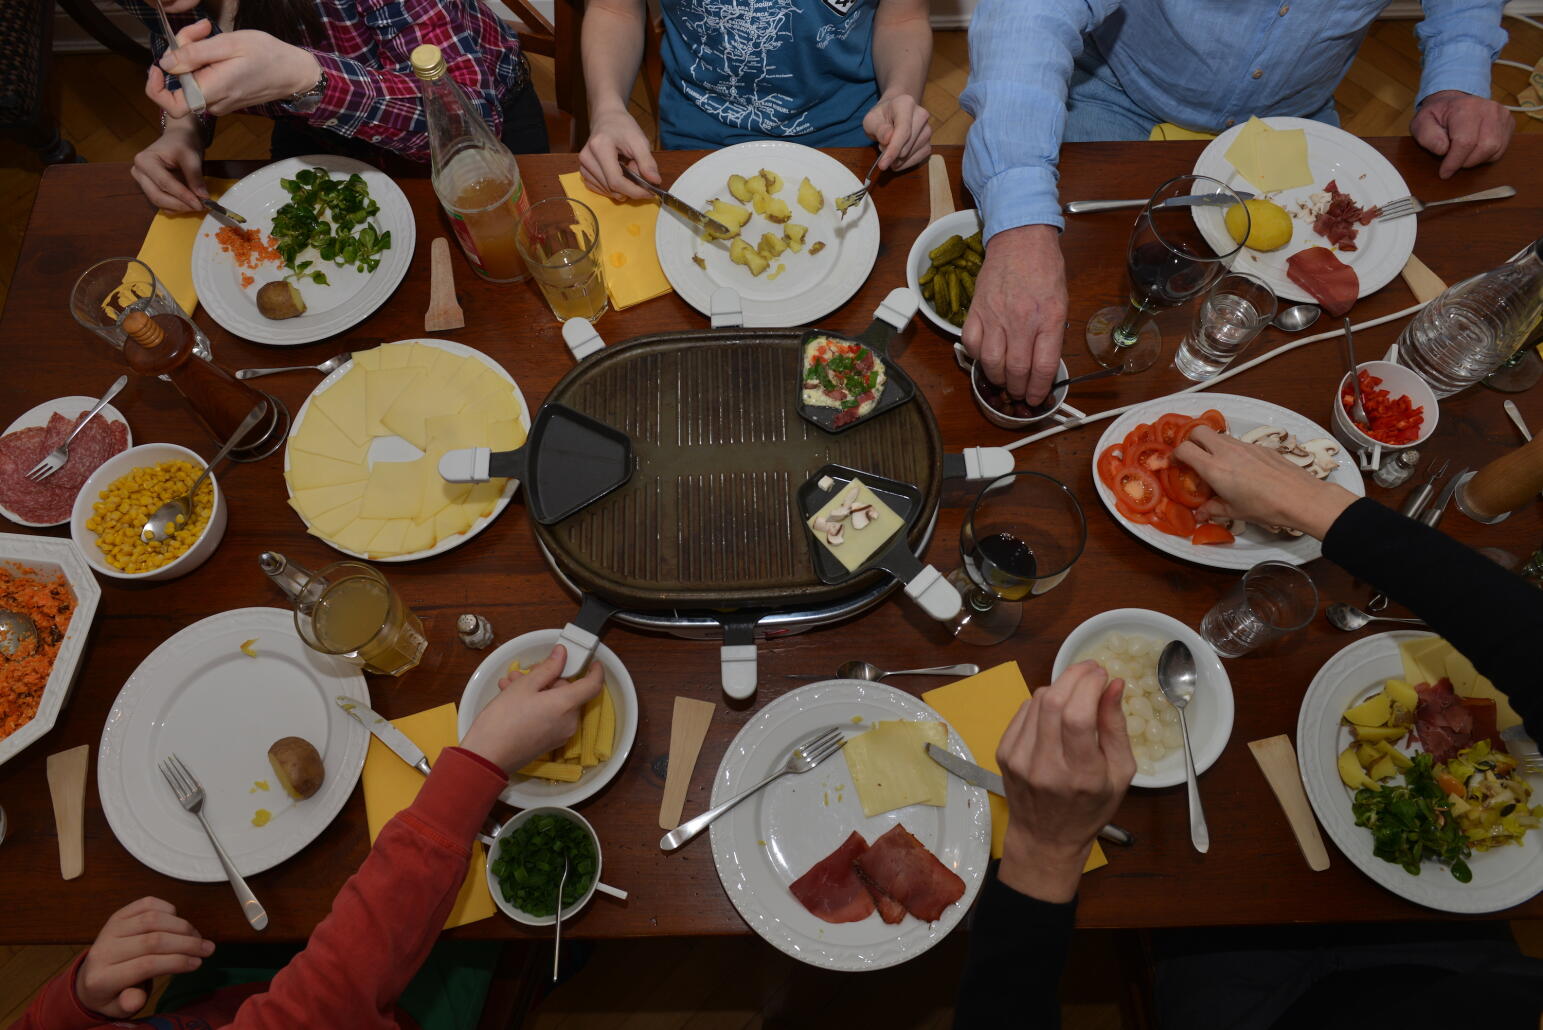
(1338, 251)
(810, 872)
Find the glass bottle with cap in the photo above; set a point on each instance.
(475, 176)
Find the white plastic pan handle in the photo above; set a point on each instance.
(987, 462)
(739, 670)
(936, 595)
(898, 308)
(580, 644)
(581, 338)
(467, 465)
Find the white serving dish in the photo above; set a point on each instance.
(121, 464)
(1399, 382)
(962, 223)
(69, 407)
(515, 823)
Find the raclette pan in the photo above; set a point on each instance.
(888, 322)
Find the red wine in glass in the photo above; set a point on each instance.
(1167, 276)
(1004, 565)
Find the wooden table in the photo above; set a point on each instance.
(1253, 874)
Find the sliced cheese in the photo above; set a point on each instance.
(381, 391)
(313, 503)
(344, 403)
(357, 535)
(329, 524)
(369, 360)
(388, 542)
(857, 545)
(1272, 160)
(395, 355)
(424, 356)
(506, 434)
(319, 434)
(418, 537)
(394, 490)
(452, 519)
(446, 364)
(1424, 660)
(309, 471)
(465, 378)
(890, 767)
(434, 493)
(482, 499)
(409, 413)
(454, 432)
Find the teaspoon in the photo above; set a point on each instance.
(1176, 677)
(1350, 618)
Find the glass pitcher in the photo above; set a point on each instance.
(348, 609)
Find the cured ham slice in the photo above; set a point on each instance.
(831, 889)
(898, 865)
(1326, 278)
(890, 910)
(1338, 222)
(1442, 722)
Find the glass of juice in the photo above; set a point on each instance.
(349, 610)
(559, 238)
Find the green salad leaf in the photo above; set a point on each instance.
(331, 216)
(1412, 822)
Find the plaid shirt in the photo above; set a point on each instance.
(371, 92)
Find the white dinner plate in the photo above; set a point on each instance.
(1502, 878)
(1357, 169)
(1254, 544)
(772, 839)
(350, 296)
(69, 407)
(813, 285)
(394, 448)
(201, 697)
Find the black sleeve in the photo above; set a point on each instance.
(1494, 617)
(1017, 949)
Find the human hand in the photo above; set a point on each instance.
(533, 712)
(1258, 485)
(902, 128)
(1066, 763)
(1018, 314)
(170, 170)
(235, 70)
(614, 136)
(1466, 130)
(138, 943)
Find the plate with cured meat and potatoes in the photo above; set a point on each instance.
(870, 858)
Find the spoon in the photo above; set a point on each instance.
(1176, 677)
(1112, 370)
(557, 937)
(15, 629)
(1350, 618)
(857, 670)
(1358, 411)
(170, 517)
(1297, 317)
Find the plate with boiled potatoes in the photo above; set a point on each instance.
(248, 708)
(793, 257)
(585, 762)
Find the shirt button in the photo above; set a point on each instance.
(1231, 122)
(1283, 9)
(1258, 72)
(376, 139)
(332, 121)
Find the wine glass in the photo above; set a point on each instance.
(1169, 260)
(1020, 538)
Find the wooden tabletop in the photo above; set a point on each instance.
(1253, 873)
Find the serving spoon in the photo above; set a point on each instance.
(15, 629)
(170, 517)
(1176, 677)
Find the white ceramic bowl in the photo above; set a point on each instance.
(120, 465)
(1399, 382)
(1209, 712)
(508, 828)
(961, 223)
(48, 557)
(528, 649)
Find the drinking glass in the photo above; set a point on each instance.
(109, 290)
(1272, 600)
(1020, 538)
(1235, 310)
(559, 238)
(349, 610)
(1169, 261)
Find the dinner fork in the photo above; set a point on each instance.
(330, 365)
(1413, 206)
(54, 460)
(857, 195)
(804, 757)
(190, 795)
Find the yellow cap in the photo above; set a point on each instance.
(428, 62)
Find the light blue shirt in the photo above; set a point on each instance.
(1202, 64)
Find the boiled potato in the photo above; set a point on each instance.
(770, 246)
(793, 235)
(773, 180)
(739, 188)
(1351, 773)
(1383, 770)
(1402, 693)
(280, 299)
(1375, 733)
(809, 198)
(731, 215)
(742, 253)
(1269, 226)
(758, 201)
(777, 210)
(1374, 711)
(298, 766)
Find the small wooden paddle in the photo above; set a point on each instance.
(67, 785)
(1422, 282)
(940, 192)
(1278, 759)
(688, 729)
(444, 313)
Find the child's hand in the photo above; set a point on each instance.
(138, 943)
(533, 712)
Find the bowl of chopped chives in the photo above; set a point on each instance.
(525, 865)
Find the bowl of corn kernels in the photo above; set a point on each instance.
(124, 492)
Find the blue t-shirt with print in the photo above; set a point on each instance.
(737, 70)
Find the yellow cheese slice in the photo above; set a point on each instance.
(435, 494)
(446, 364)
(424, 356)
(356, 536)
(466, 377)
(890, 767)
(388, 542)
(329, 524)
(453, 432)
(369, 360)
(381, 391)
(395, 355)
(394, 490)
(1468, 683)
(1272, 160)
(319, 434)
(506, 434)
(857, 545)
(408, 415)
(482, 499)
(344, 403)
(452, 519)
(312, 503)
(309, 471)
(419, 537)
(1424, 660)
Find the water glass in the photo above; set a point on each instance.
(1234, 311)
(1272, 600)
(109, 290)
(559, 238)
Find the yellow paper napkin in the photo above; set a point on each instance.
(390, 785)
(979, 709)
(1168, 130)
(632, 272)
(168, 248)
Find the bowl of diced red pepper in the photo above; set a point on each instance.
(1400, 408)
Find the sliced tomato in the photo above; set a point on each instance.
(1167, 427)
(1137, 488)
(1152, 456)
(1190, 426)
(1109, 464)
(1177, 516)
(1215, 419)
(1211, 533)
(1184, 485)
(1143, 433)
(1131, 514)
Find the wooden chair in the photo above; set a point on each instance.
(26, 45)
(567, 120)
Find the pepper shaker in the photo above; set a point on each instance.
(1397, 472)
(476, 632)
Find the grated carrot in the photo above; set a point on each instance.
(247, 247)
(24, 674)
(246, 280)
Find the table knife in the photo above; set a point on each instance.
(190, 91)
(1516, 418)
(1432, 515)
(386, 733)
(223, 214)
(973, 774)
(679, 206)
(1085, 207)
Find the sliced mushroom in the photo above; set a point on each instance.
(862, 515)
(834, 536)
(823, 525)
(1259, 433)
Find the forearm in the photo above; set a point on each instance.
(902, 49)
(1459, 41)
(612, 42)
(1017, 951)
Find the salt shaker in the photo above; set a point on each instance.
(1398, 470)
(476, 632)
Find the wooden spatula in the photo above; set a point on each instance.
(940, 192)
(1278, 759)
(67, 785)
(687, 731)
(1422, 282)
(444, 313)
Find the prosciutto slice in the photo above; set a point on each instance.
(1326, 278)
(1443, 724)
(831, 890)
(898, 865)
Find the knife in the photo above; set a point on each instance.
(223, 214)
(386, 733)
(973, 774)
(190, 91)
(679, 206)
(1084, 207)
(1432, 515)
(1516, 418)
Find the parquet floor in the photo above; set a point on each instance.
(704, 985)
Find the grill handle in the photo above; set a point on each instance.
(737, 657)
(894, 313)
(979, 463)
(581, 637)
(924, 584)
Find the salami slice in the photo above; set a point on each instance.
(51, 500)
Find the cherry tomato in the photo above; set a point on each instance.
(1184, 485)
(1211, 533)
(1152, 456)
(1109, 464)
(1167, 427)
(1138, 488)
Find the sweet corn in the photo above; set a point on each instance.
(122, 510)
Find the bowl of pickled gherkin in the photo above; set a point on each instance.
(525, 865)
(942, 266)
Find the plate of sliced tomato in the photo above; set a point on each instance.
(1155, 496)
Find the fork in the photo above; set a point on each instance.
(857, 195)
(190, 795)
(330, 365)
(804, 757)
(54, 460)
(1413, 206)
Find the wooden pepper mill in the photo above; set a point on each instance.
(1504, 485)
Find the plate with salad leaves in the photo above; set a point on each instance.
(1412, 832)
(326, 242)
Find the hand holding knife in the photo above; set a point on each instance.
(977, 776)
(679, 206)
